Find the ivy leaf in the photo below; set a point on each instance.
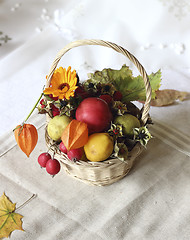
(132, 88)
(9, 220)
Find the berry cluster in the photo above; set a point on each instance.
(43, 105)
(52, 165)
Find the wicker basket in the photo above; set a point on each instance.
(110, 170)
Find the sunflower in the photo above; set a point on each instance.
(63, 83)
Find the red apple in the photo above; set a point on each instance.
(96, 113)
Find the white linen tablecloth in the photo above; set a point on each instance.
(152, 201)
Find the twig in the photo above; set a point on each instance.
(33, 107)
(22, 205)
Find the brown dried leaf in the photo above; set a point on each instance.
(168, 96)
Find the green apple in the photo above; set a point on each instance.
(57, 125)
(128, 122)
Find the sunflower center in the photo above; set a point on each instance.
(64, 86)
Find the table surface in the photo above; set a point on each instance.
(152, 201)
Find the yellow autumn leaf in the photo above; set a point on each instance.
(9, 220)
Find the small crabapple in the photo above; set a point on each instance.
(43, 158)
(75, 154)
(53, 166)
(62, 147)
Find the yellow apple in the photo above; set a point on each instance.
(57, 125)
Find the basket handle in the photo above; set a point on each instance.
(117, 49)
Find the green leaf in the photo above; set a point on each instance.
(132, 88)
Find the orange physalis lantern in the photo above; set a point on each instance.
(26, 137)
(75, 135)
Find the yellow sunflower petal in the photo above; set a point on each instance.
(61, 71)
(73, 89)
(73, 74)
(56, 92)
(56, 80)
(64, 75)
(68, 95)
(48, 90)
(68, 69)
(61, 96)
(73, 82)
(69, 77)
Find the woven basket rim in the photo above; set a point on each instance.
(53, 146)
(92, 173)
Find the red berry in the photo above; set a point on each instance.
(106, 97)
(75, 154)
(53, 98)
(117, 96)
(55, 110)
(53, 166)
(43, 106)
(81, 92)
(62, 147)
(43, 158)
(55, 113)
(42, 101)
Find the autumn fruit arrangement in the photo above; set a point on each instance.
(94, 129)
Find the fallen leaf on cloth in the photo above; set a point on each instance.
(9, 220)
(168, 96)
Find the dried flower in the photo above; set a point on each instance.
(119, 107)
(142, 135)
(116, 130)
(120, 151)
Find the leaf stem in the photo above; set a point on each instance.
(33, 107)
(22, 205)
